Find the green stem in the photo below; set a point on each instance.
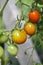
(1, 28)
(5, 63)
(1, 22)
(28, 5)
(1, 10)
(4, 60)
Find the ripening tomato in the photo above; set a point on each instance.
(34, 16)
(30, 28)
(12, 49)
(19, 36)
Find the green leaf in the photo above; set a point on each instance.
(27, 8)
(34, 63)
(27, 1)
(38, 64)
(41, 44)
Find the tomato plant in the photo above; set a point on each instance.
(30, 28)
(19, 36)
(19, 33)
(12, 49)
(34, 16)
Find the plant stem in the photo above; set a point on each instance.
(3, 61)
(28, 5)
(2, 27)
(1, 22)
(1, 10)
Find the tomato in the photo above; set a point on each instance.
(34, 16)
(3, 38)
(1, 52)
(30, 28)
(12, 49)
(19, 36)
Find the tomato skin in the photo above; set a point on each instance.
(34, 16)
(19, 37)
(4, 37)
(30, 28)
(12, 49)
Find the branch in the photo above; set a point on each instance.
(1, 10)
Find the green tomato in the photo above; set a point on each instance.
(1, 52)
(3, 38)
(12, 50)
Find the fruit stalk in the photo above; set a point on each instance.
(1, 22)
(1, 10)
(2, 62)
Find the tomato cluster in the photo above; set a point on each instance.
(19, 36)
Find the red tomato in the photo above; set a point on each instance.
(34, 16)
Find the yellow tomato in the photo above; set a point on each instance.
(19, 36)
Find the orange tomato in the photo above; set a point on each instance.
(19, 37)
(30, 28)
(34, 16)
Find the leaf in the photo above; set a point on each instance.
(38, 64)
(34, 63)
(41, 44)
(26, 9)
(27, 1)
